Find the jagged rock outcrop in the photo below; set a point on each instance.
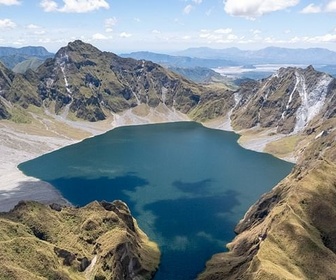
(98, 241)
(4, 114)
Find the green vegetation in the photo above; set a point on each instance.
(30, 63)
(19, 115)
(214, 102)
(284, 146)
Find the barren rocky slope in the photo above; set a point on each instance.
(86, 83)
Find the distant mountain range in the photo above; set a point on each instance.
(314, 56)
(195, 63)
(27, 51)
(180, 61)
(31, 56)
(198, 58)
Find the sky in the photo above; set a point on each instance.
(168, 25)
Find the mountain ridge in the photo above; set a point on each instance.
(179, 61)
(28, 50)
(12, 57)
(72, 81)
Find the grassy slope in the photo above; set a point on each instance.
(290, 232)
(32, 235)
(299, 236)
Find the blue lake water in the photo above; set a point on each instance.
(186, 185)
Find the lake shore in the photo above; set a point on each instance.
(23, 142)
(17, 147)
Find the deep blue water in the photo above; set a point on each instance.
(187, 185)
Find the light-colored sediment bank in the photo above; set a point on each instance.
(22, 142)
(255, 139)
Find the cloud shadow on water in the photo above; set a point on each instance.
(200, 187)
(81, 190)
(193, 230)
(189, 216)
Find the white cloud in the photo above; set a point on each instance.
(39, 32)
(110, 23)
(331, 6)
(125, 35)
(186, 37)
(223, 31)
(99, 36)
(19, 42)
(218, 35)
(9, 2)
(311, 9)
(33, 26)
(231, 37)
(35, 29)
(327, 38)
(256, 34)
(7, 24)
(321, 39)
(74, 6)
(155, 31)
(251, 9)
(187, 9)
(255, 31)
(48, 5)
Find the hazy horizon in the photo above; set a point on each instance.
(168, 26)
(168, 52)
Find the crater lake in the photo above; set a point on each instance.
(186, 185)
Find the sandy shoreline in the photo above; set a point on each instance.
(17, 147)
(23, 142)
(20, 143)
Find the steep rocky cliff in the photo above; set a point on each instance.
(286, 101)
(98, 241)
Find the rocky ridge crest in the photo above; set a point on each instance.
(86, 83)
